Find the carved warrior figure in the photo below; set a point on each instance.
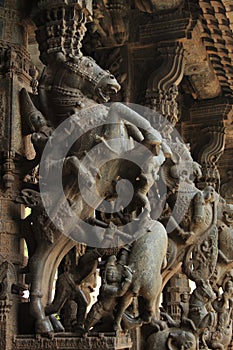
(198, 305)
(221, 337)
(190, 215)
(67, 288)
(116, 280)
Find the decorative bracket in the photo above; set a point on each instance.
(163, 85)
(210, 154)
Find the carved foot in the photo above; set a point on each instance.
(117, 327)
(57, 326)
(198, 219)
(158, 325)
(44, 327)
(79, 329)
(187, 236)
(130, 322)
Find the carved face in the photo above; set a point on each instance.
(106, 87)
(113, 274)
(206, 290)
(221, 226)
(197, 170)
(209, 194)
(229, 287)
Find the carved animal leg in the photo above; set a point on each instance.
(87, 265)
(94, 316)
(209, 321)
(147, 314)
(124, 302)
(82, 308)
(59, 300)
(36, 265)
(26, 233)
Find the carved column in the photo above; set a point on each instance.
(14, 74)
(176, 292)
(61, 26)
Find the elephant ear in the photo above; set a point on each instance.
(172, 341)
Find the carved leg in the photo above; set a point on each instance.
(148, 311)
(94, 315)
(61, 295)
(124, 302)
(36, 265)
(199, 202)
(209, 321)
(87, 265)
(82, 308)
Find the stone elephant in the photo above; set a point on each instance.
(172, 339)
(146, 266)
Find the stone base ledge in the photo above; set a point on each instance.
(70, 341)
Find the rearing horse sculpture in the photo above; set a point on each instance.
(62, 91)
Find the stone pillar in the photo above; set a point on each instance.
(14, 74)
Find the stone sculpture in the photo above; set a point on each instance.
(67, 290)
(71, 162)
(116, 281)
(188, 235)
(146, 280)
(171, 339)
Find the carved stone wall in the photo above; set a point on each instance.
(14, 74)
